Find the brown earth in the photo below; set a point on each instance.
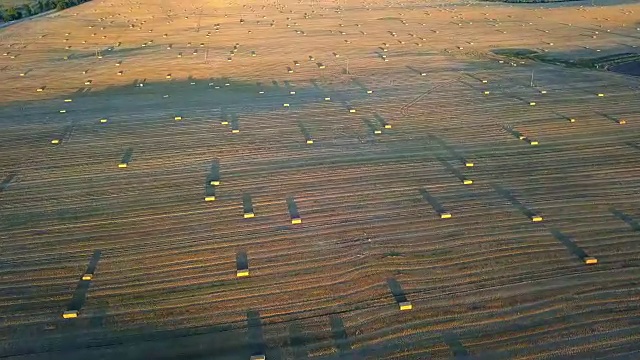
(487, 282)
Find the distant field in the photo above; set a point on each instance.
(320, 180)
(529, 1)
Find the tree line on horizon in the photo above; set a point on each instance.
(35, 7)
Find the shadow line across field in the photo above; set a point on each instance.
(230, 98)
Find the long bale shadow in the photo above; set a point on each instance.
(359, 84)
(209, 192)
(453, 152)
(371, 126)
(396, 290)
(415, 70)
(458, 350)
(453, 171)
(304, 131)
(247, 204)
(214, 173)
(234, 122)
(381, 120)
(80, 294)
(507, 195)
(324, 93)
(126, 157)
(293, 208)
(297, 341)
(340, 339)
(435, 204)
(242, 261)
(255, 334)
(569, 244)
(67, 132)
(224, 116)
(93, 263)
(611, 118)
(627, 219)
(515, 133)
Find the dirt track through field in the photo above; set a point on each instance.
(365, 115)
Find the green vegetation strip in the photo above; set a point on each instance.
(602, 62)
(17, 9)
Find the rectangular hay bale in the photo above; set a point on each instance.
(70, 314)
(242, 273)
(590, 260)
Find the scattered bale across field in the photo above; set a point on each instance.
(293, 211)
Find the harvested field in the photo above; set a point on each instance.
(138, 136)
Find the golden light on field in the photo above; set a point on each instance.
(394, 258)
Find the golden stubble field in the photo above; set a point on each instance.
(397, 115)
